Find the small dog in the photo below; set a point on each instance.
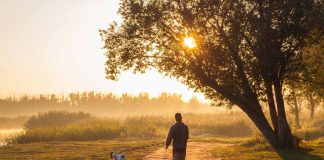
(117, 156)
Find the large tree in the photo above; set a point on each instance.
(232, 51)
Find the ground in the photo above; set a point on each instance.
(309, 150)
(198, 148)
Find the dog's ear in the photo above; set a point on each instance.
(111, 155)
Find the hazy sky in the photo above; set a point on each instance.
(53, 46)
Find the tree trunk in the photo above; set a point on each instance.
(286, 139)
(272, 107)
(296, 110)
(312, 105)
(258, 118)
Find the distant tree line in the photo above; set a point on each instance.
(97, 103)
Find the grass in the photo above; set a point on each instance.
(309, 150)
(77, 150)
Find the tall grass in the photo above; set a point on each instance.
(41, 128)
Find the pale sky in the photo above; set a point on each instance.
(53, 46)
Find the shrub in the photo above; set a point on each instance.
(55, 119)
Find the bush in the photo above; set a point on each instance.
(55, 119)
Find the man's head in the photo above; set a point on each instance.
(178, 117)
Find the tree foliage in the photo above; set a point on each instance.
(305, 73)
(313, 61)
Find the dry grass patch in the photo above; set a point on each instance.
(70, 150)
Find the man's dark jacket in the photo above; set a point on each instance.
(179, 133)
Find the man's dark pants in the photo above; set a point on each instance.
(179, 155)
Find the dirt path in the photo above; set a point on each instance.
(195, 150)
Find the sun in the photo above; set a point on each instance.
(189, 42)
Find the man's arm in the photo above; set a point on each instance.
(187, 133)
(169, 138)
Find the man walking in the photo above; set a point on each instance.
(179, 133)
